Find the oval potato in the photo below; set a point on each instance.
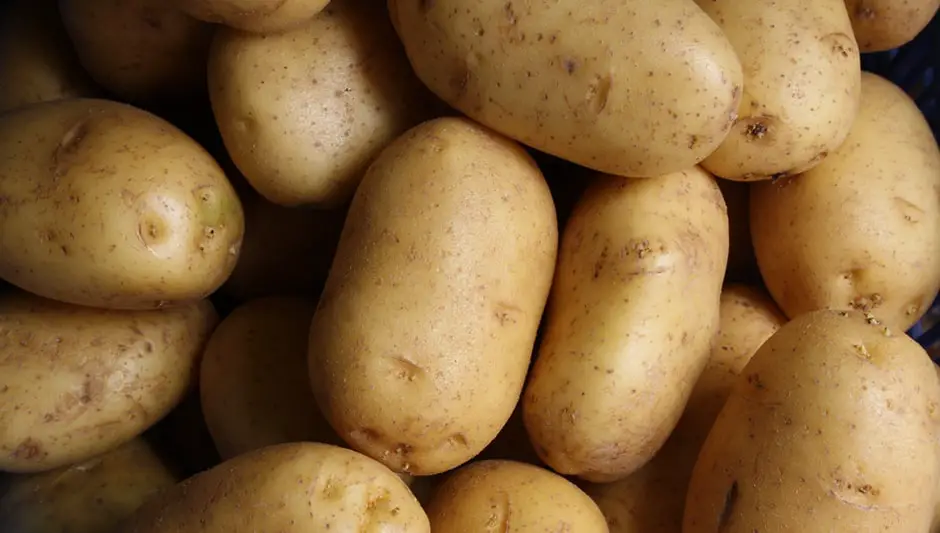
(304, 112)
(421, 342)
(76, 382)
(633, 312)
(260, 16)
(833, 425)
(314, 488)
(881, 25)
(561, 77)
(105, 205)
(861, 230)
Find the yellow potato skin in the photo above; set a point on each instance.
(94, 496)
(259, 16)
(833, 425)
(801, 85)
(624, 87)
(881, 25)
(511, 497)
(76, 382)
(633, 311)
(424, 333)
(289, 488)
(105, 205)
(862, 229)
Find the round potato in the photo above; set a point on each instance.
(421, 342)
(105, 205)
(562, 78)
(633, 312)
(304, 112)
(143, 51)
(76, 382)
(261, 16)
(36, 57)
(801, 85)
(302, 487)
(513, 498)
(885, 24)
(861, 230)
(94, 496)
(833, 425)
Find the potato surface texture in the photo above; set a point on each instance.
(425, 330)
(861, 230)
(633, 311)
(105, 205)
(832, 425)
(261, 16)
(289, 488)
(76, 382)
(624, 87)
(885, 24)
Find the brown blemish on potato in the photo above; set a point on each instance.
(68, 146)
(866, 303)
(731, 498)
(28, 450)
(460, 80)
(570, 66)
(693, 140)
(510, 14)
(500, 514)
(840, 44)
(458, 440)
(506, 313)
(405, 369)
(598, 93)
(862, 351)
(755, 381)
(909, 210)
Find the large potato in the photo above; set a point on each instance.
(262, 16)
(94, 496)
(422, 339)
(105, 205)
(801, 85)
(36, 57)
(289, 488)
(633, 312)
(627, 87)
(832, 426)
(885, 24)
(861, 230)
(304, 112)
(144, 51)
(76, 382)
(511, 497)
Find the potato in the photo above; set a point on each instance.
(513, 498)
(304, 112)
(832, 426)
(105, 205)
(562, 77)
(76, 382)
(801, 85)
(302, 487)
(261, 16)
(143, 51)
(36, 57)
(253, 382)
(633, 311)
(89, 497)
(861, 230)
(881, 25)
(421, 342)
(652, 499)
(742, 264)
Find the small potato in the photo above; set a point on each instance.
(105, 205)
(885, 24)
(261, 16)
(801, 85)
(832, 425)
(36, 57)
(304, 112)
(742, 264)
(143, 51)
(302, 487)
(76, 382)
(633, 312)
(511, 497)
(424, 333)
(94, 496)
(861, 230)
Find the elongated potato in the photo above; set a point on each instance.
(261, 16)
(885, 24)
(105, 205)
(833, 425)
(626, 87)
(862, 230)
(633, 312)
(421, 342)
(801, 85)
(76, 382)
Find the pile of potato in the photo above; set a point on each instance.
(311, 266)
